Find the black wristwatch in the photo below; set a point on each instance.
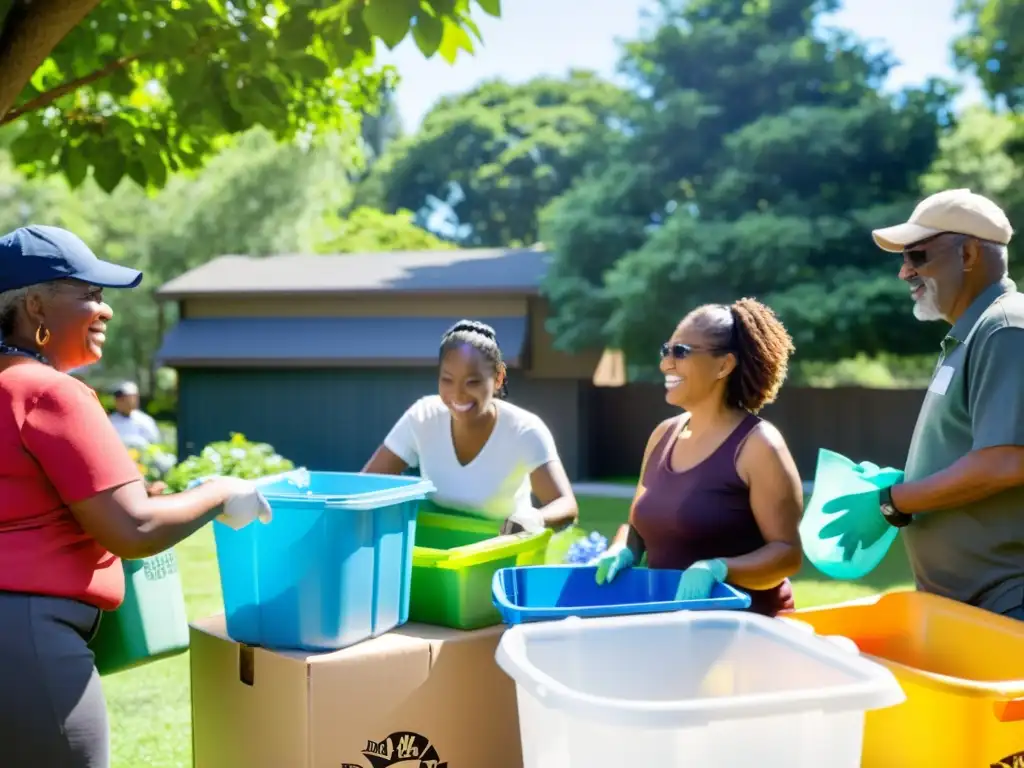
(892, 515)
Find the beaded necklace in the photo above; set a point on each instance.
(10, 349)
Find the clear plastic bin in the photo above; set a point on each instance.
(962, 669)
(717, 689)
(331, 569)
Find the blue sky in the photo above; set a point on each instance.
(536, 37)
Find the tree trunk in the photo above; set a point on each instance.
(31, 30)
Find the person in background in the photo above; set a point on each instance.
(481, 453)
(719, 495)
(136, 428)
(72, 502)
(961, 501)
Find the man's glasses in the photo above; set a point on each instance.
(920, 253)
(916, 257)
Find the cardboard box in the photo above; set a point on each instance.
(418, 697)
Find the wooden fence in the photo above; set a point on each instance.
(872, 424)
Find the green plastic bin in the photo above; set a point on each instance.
(453, 564)
(151, 623)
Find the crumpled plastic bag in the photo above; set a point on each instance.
(837, 476)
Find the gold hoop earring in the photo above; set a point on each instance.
(42, 335)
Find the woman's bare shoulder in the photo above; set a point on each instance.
(768, 436)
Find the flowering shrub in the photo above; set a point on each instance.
(236, 457)
(584, 550)
(574, 546)
(153, 461)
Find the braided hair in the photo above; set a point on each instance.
(762, 346)
(480, 337)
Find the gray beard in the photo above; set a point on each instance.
(926, 309)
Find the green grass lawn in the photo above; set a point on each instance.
(149, 707)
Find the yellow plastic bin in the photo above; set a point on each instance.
(961, 668)
(453, 565)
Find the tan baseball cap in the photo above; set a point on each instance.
(954, 210)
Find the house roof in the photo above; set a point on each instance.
(505, 270)
(224, 342)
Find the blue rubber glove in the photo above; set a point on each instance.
(859, 521)
(700, 578)
(610, 562)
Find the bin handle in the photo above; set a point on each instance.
(840, 641)
(378, 499)
(1009, 710)
(472, 554)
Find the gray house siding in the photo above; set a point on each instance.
(333, 419)
(558, 403)
(289, 342)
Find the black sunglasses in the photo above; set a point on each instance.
(916, 257)
(920, 253)
(683, 351)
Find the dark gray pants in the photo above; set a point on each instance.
(52, 710)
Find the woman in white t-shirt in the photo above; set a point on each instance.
(481, 453)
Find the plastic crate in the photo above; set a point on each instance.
(331, 569)
(715, 689)
(962, 669)
(551, 592)
(454, 562)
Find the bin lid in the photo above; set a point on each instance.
(343, 490)
(689, 669)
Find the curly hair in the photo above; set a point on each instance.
(480, 337)
(762, 346)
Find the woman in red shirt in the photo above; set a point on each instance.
(72, 502)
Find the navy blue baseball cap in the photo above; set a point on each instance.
(41, 254)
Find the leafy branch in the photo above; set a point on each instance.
(31, 30)
(48, 97)
(144, 90)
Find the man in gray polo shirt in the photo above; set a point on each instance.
(961, 501)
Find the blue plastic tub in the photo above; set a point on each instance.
(549, 592)
(331, 569)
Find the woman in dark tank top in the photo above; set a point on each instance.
(719, 494)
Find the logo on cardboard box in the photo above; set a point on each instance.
(402, 749)
(1015, 760)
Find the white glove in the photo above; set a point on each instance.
(245, 503)
(528, 520)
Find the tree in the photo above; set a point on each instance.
(992, 47)
(380, 127)
(977, 155)
(974, 155)
(143, 89)
(761, 156)
(367, 230)
(39, 201)
(255, 197)
(498, 154)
